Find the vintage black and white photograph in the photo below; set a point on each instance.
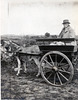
(39, 49)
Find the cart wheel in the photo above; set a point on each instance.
(16, 64)
(56, 68)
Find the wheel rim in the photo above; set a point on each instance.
(56, 68)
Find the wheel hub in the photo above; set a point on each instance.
(55, 68)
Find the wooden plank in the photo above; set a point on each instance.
(63, 48)
(57, 39)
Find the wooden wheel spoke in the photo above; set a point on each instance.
(48, 62)
(48, 71)
(55, 78)
(51, 59)
(56, 60)
(63, 76)
(64, 65)
(47, 67)
(49, 76)
(64, 71)
(61, 61)
(59, 78)
(61, 64)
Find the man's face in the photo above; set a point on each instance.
(65, 25)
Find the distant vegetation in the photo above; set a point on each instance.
(27, 40)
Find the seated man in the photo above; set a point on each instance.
(67, 32)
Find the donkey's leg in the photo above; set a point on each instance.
(19, 65)
(37, 62)
(24, 65)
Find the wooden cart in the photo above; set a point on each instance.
(57, 59)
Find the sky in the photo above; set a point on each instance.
(36, 17)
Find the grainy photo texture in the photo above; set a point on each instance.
(39, 50)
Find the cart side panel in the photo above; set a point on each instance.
(67, 50)
(61, 48)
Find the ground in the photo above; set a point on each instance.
(29, 87)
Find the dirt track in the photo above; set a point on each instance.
(29, 87)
